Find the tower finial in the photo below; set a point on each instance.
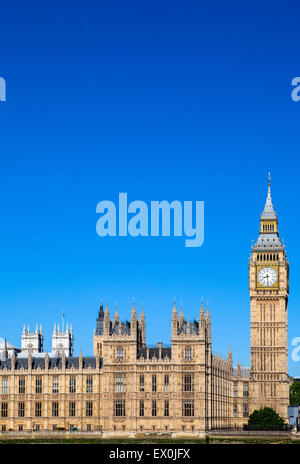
(133, 311)
(268, 212)
(116, 316)
(174, 310)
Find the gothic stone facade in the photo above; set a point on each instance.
(128, 388)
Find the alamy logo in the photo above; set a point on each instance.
(2, 89)
(296, 350)
(296, 90)
(160, 216)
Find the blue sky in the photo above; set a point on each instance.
(165, 101)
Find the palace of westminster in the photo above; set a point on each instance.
(128, 388)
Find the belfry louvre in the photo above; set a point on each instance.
(128, 388)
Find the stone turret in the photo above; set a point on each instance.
(99, 321)
(143, 327)
(180, 317)
(174, 321)
(208, 325)
(116, 316)
(106, 322)
(133, 320)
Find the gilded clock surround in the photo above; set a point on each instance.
(272, 266)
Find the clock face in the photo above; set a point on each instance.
(267, 276)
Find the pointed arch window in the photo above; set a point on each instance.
(120, 353)
(188, 353)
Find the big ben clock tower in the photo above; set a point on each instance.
(269, 289)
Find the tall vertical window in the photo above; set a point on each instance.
(188, 408)
(154, 383)
(99, 348)
(89, 384)
(38, 385)
(167, 408)
(120, 383)
(21, 409)
(188, 353)
(235, 410)
(38, 409)
(142, 408)
(55, 409)
(235, 389)
(154, 408)
(4, 409)
(120, 408)
(166, 383)
(245, 410)
(4, 385)
(89, 408)
(142, 383)
(72, 408)
(245, 390)
(22, 385)
(188, 383)
(72, 384)
(120, 354)
(55, 385)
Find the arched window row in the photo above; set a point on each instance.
(268, 257)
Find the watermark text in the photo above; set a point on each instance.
(296, 91)
(133, 219)
(2, 90)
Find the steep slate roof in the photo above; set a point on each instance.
(268, 241)
(194, 327)
(120, 328)
(244, 371)
(8, 345)
(154, 352)
(268, 212)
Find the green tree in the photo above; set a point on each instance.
(265, 419)
(295, 394)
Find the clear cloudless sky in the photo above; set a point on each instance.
(164, 100)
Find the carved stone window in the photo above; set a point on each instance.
(188, 353)
(120, 354)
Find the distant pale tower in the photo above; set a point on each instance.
(32, 342)
(269, 290)
(62, 342)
